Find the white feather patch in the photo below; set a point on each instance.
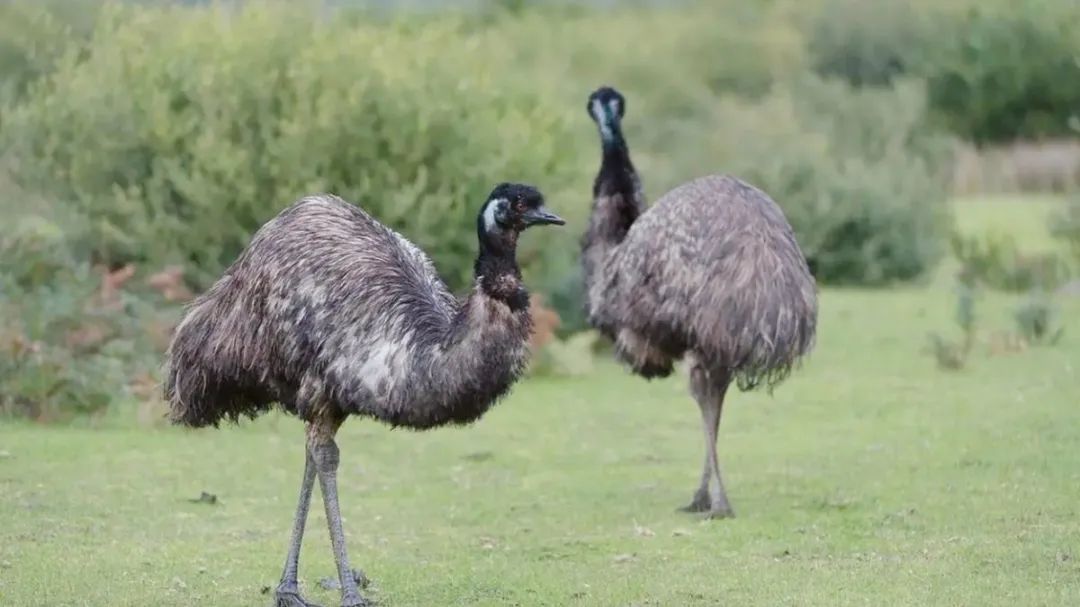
(489, 213)
(614, 106)
(601, 119)
(384, 364)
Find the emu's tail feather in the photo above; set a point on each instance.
(766, 369)
(203, 384)
(771, 339)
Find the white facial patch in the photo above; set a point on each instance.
(601, 119)
(489, 213)
(614, 105)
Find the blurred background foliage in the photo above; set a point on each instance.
(141, 143)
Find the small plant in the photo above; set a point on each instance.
(1066, 227)
(952, 355)
(996, 262)
(1037, 321)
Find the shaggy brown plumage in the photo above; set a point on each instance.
(712, 270)
(329, 313)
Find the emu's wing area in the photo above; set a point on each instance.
(713, 266)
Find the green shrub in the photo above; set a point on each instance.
(573, 356)
(995, 261)
(66, 349)
(854, 170)
(71, 339)
(177, 132)
(866, 43)
(1006, 69)
(564, 288)
(674, 59)
(185, 129)
(953, 354)
(1037, 321)
(1066, 227)
(33, 35)
(996, 70)
(45, 380)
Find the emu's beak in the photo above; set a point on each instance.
(541, 216)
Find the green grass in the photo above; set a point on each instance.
(1025, 218)
(870, 478)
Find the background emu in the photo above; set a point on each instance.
(712, 270)
(329, 313)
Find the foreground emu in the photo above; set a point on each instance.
(711, 271)
(330, 314)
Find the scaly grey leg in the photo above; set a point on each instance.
(327, 457)
(288, 591)
(709, 392)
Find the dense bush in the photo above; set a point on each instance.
(866, 43)
(184, 130)
(1002, 70)
(177, 132)
(996, 70)
(858, 176)
(33, 35)
(73, 339)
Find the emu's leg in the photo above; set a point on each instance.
(709, 392)
(288, 591)
(326, 455)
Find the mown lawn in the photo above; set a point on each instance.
(870, 478)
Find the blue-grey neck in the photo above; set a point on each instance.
(610, 130)
(616, 154)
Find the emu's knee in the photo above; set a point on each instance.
(320, 442)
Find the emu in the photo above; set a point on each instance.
(329, 313)
(711, 272)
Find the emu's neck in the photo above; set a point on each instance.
(497, 272)
(453, 375)
(483, 352)
(617, 196)
(617, 201)
(484, 349)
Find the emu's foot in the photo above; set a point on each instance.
(700, 503)
(289, 596)
(703, 504)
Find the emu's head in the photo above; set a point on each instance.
(606, 106)
(510, 209)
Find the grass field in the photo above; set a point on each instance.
(870, 478)
(1023, 218)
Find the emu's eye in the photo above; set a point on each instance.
(519, 206)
